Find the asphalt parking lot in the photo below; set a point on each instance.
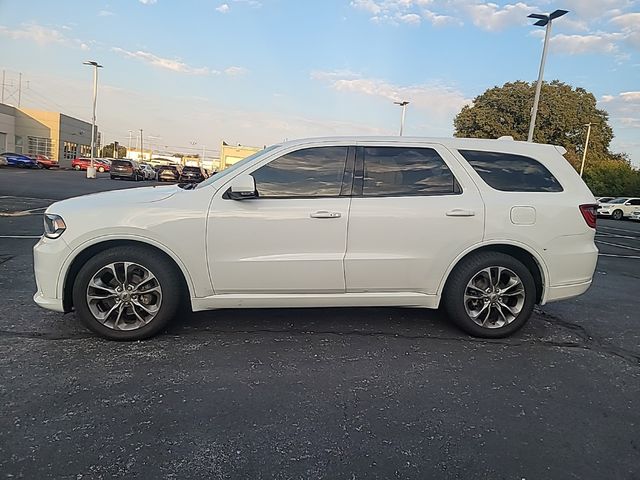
(319, 393)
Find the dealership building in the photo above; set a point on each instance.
(54, 134)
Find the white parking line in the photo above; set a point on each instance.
(635, 257)
(619, 246)
(615, 235)
(20, 236)
(620, 229)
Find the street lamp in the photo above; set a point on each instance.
(586, 144)
(543, 20)
(403, 104)
(91, 171)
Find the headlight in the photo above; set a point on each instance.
(54, 225)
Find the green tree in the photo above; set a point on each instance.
(563, 113)
(107, 151)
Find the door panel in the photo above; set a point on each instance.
(292, 238)
(406, 243)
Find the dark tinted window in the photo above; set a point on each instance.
(191, 169)
(511, 173)
(401, 171)
(121, 163)
(311, 172)
(634, 202)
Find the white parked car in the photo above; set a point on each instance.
(148, 171)
(486, 228)
(619, 207)
(635, 216)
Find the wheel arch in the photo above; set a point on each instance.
(83, 254)
(530, 259)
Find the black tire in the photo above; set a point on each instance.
(167, 277)
(77, 168)
(617, 214)
(454, 302)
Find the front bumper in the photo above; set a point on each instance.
(48, 258)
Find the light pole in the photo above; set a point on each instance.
(91, 171)
(403, 104)
(586, 144)
(543, 20)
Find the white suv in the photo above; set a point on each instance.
(619, 208)
(487, 228)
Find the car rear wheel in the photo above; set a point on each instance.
(101, 169)
(76, 167)
(490, 295)
(617, 214)
(127, 293)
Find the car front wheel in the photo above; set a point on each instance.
(127, 293)
(490, 295)
(617, 215)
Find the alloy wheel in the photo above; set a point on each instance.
(494, 297)
(124, 296)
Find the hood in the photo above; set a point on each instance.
(114, 198)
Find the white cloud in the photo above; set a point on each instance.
(224, 8)
(577, 44)
(148, 2)
(629, 24)
(623, 108)
(395, 12)
(443, 102)
(490, 16)
(235, 71)
(41, 35)
(105, 13)
(166, 63)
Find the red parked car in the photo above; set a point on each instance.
(44, 161)
(84, 163)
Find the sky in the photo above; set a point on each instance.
(193, 73)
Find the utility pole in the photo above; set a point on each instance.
(141, 147)
(19, 89)
(586, 144)
(129, 146)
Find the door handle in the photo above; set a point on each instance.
(325, 214)
(460, 212)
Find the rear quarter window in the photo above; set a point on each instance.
(508, 172)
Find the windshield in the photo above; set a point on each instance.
(618, 200)
(236, 166)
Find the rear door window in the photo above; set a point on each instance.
(406, 171)
(511, 173)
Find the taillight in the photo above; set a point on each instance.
(590, 214)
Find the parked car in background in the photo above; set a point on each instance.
(149, 172)
(169, 173)
(193, 174)
(635, 215)
(619, 208)
(83, 163)
(19, 160)
(44, 161)
(484, 228)
(3, 161)
(605, 199)
(124, 169)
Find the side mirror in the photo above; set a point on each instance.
(243, 187)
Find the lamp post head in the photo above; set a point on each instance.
(544, 19)
(402, 103)
(92, 63)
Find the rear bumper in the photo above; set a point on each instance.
(563, 292)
